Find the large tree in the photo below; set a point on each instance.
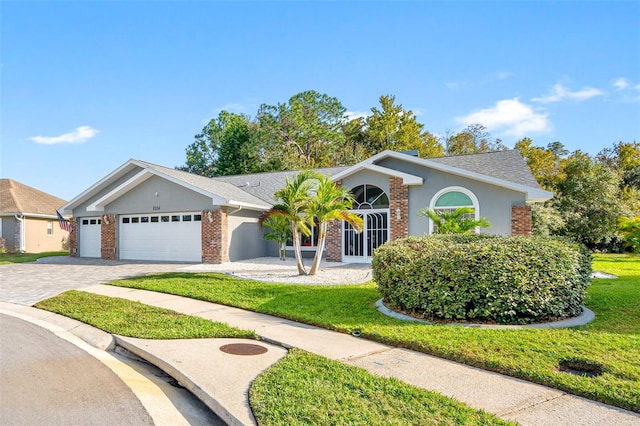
(392, 127)
(226, 146)
(304, 133)
(474, 139)
(586, 195)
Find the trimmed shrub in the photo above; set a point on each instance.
(508, 280)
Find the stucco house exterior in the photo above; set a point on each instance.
(142, 211)
(28, 219)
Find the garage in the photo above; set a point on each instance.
(165, 237)
(90, 236)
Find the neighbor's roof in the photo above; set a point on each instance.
(16, 197)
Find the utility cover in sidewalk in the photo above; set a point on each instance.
(243, 349)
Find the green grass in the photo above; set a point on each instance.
(612, 340)
(308, 389)
(134, 319)
(8, 258)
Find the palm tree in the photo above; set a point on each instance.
(294, 200)
(447, 222)
(280, 233)
(330, 202)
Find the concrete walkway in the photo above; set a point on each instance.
(197, 364)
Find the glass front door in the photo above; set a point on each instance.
(359, 247)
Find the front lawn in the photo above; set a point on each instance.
(302, 388)
(7, 258)
(611, 341)
(134, 319)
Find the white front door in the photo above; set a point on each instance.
(168, 237)
(90, 235)
(359, 247)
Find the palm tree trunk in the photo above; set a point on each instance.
(319, 249)
(296, 249)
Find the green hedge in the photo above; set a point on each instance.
(508, 280)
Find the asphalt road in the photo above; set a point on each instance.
(48, 381)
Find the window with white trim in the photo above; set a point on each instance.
(50, 228)
(452, 198)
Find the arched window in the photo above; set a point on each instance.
(452, 198)
(369, 197)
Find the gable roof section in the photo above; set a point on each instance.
(220, 192)
(505, 169)
(17, 198)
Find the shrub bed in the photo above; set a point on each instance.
(507, 280)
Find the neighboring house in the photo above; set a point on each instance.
(28, 219)
(143, 211)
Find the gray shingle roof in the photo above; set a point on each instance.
(220, 188)
(506, 165)
(264, 185)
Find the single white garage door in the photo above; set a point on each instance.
(90, 237)
(173, 237)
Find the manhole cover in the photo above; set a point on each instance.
(243, 349)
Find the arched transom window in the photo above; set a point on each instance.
(452, 198)
(369, 197)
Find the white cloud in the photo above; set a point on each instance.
(79, 135)
(559, 92)
(353, 115)
(510, 117)
(621, 83)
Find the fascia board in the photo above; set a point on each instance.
(407, 179)
(232, 203)
(86, 194)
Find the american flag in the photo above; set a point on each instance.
(63, 222)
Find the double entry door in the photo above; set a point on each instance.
(359, 247)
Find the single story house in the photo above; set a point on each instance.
(142, 211)
(28, 219)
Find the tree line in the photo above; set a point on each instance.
(596, 198)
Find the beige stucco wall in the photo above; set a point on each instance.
(37, 239)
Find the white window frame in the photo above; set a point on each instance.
(50, 228)
(467, 192)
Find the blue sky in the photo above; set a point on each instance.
(88, 85)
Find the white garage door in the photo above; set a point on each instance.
(172, 237)
(90, 237)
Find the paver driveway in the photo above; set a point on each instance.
(28, 283)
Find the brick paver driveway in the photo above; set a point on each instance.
(28, 283)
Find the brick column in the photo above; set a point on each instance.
(73, 238)
(109, 237)
(333, 243)
(215, 239)
(398, 203)
(521, 220)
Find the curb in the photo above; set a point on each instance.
(585, 317)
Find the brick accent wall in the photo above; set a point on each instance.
(398, 201)
(521, 220)
(109, 237)
(215, 236)
(333, 243)
(73, 238)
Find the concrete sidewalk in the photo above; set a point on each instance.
(222, 380)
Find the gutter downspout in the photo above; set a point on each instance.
(234, 211)
(20, 220)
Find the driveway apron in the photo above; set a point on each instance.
(28, 283)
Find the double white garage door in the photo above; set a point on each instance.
(174, 237)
